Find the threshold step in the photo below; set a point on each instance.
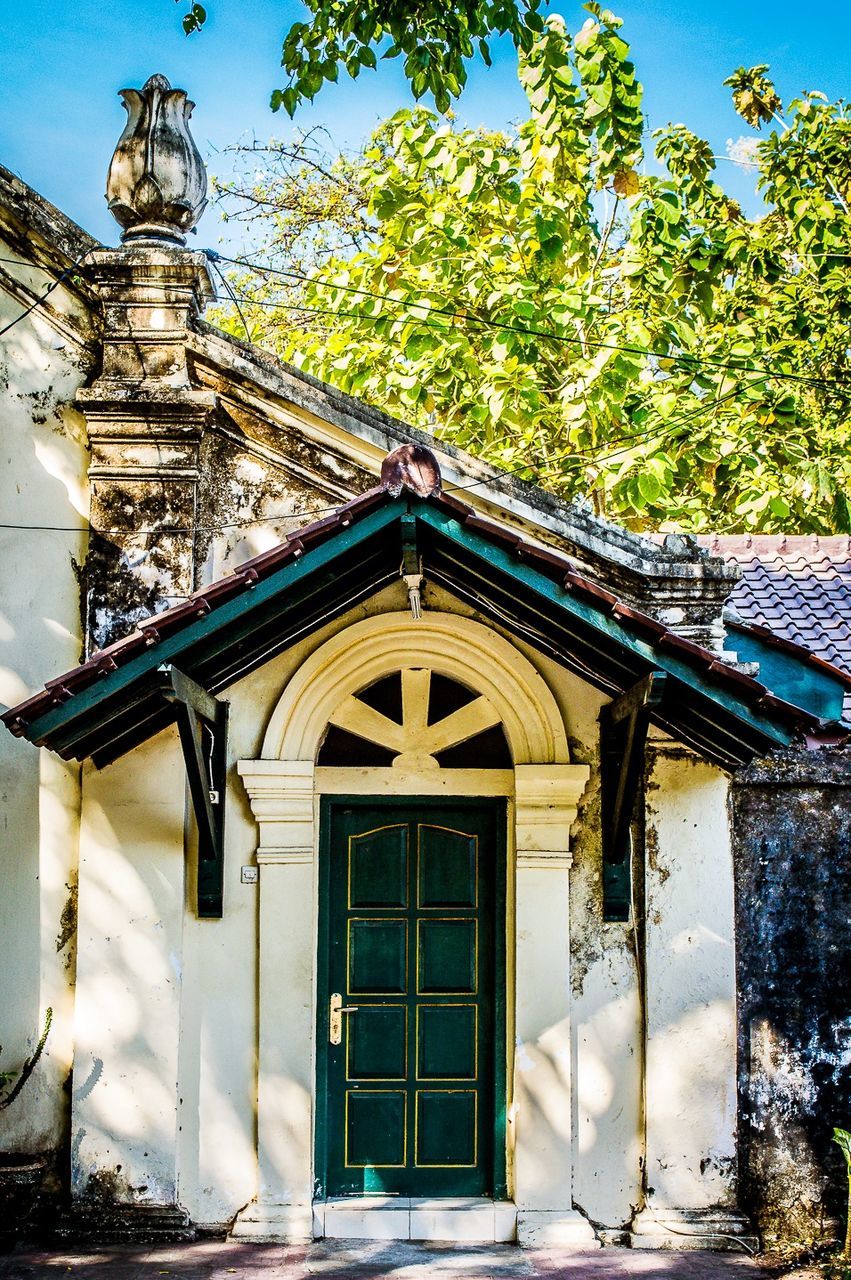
(470, 1219)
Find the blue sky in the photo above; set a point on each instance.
(63, 62)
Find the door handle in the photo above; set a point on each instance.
(335, 1019)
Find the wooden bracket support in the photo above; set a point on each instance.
(623, 735)
(202, 722)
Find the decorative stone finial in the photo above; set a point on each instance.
(411, 466)
(157, 183)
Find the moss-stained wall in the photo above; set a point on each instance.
(792, 848)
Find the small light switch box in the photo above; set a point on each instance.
(250, 875)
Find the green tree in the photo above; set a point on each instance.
(550, 301)
(843, 1140)
(436, 38)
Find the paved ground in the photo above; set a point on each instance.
(214, 1260)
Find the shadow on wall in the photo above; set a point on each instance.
(131, 908)
(366, 1258)
(42, 483)
(164, 1069)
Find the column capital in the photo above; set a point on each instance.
(151, 297)
(547, 798)
(281, 794)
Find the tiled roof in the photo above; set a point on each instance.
(797, 586)
(201, 609)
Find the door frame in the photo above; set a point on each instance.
(542, 801)
(543, 791)
(498, 1047)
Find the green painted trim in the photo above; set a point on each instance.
(500, 1036)
(623, 736)
(172, 647)
(553, 593)
(789, 676)
(320, 1140)
(239, 609)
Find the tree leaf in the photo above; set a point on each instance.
(467, 180)
(842, 1138)
(626, 182)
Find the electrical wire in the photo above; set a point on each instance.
(481, 323)
(579, 456)
(446, 328)
(30, 266)
(234, 299)
(43, 296)
(631, 440)
(261, 268)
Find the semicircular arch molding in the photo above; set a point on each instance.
(454, 646)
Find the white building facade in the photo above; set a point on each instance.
(354, 922)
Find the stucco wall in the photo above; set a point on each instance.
(606, 1010)
(129, 977)
(165, 1080)
(792, 841)
(689, 957)
(42, 482)
(192, 996)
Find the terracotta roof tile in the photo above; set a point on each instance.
(758, 593)
(798, 586)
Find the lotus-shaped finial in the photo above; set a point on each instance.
(157, 183)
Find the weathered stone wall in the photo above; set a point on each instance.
(792, 841)
(43, 510)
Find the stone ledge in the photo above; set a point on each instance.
(471, 1220)
(555, 1227)
(94, 1223)
(273, 1223)
(685, 1229)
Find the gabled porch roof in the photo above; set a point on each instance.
(117, 699)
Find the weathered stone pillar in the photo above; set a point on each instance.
(144, 417)
(792, 848)
(145, 422)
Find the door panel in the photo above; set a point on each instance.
(378, 868)
(446, 867)
(377, 1044)
(411, 1100)
(447, 1041)
(378, 957)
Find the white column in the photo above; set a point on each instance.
(282, 798)
(546, 800)
(690, 980)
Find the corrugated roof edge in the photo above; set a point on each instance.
(556, 566)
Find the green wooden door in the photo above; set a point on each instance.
(412, 940)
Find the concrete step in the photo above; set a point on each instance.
(89, 1223)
